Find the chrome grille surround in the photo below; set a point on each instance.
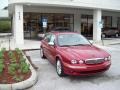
(94, 61)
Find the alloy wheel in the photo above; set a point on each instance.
(59, 67)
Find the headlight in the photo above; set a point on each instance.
(74, 61)
(77, 62)
(108, 58)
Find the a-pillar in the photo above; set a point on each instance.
(77, 22)
(18, 25)
(97, 25)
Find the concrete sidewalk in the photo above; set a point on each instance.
(108, 41)
(28, 44)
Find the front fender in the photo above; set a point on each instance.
(59, 56)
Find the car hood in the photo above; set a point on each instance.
(83, 52)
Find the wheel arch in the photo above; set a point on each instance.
(58, 57)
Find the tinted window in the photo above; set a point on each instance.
(52, 38)
(72, 39)
(47, 37)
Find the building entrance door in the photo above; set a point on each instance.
(87, 25)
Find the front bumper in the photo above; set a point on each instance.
(85, 69)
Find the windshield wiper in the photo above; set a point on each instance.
(66, 45)
(74, 45)
(80, 44)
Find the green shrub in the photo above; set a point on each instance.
(18, 78)
(13, 60)
(1, 55)
(5, 26)
(15, 65)
(1, 61)
(22, 59)
(11, 54)
(18, 50)
(11, 70)
(25, 68)
(1, 67)
(3, 50)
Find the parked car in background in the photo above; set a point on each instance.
(108, 32)
(73, 54)
(61, 29)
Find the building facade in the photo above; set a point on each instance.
(83, 16)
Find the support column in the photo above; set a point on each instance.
(18, 25)
(97, 25)
(77, 22)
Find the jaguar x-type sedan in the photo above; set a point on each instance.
(73, 54)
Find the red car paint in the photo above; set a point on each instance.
(81, 52)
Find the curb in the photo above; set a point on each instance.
(24, 84)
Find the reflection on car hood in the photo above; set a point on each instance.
(83, 52)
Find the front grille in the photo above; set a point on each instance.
(94, 61)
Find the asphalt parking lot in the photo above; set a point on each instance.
(49, 80)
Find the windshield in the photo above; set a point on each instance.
(72, 39)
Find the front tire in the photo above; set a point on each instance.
(59, 68)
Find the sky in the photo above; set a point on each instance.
(3, 3)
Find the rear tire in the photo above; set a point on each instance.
(59, 68)
(42, 53)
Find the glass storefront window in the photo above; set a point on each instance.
(107, 21)
(87, 25)
(118, 23)
(33, 22)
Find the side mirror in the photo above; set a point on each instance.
(51, 43)
(91, 42)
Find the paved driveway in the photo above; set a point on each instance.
(48, 79)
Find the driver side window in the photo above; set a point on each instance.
(47, 37)
(52, 39)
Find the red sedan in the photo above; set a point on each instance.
(73, 54)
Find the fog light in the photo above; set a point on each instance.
(106, 59)
(81, 62)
